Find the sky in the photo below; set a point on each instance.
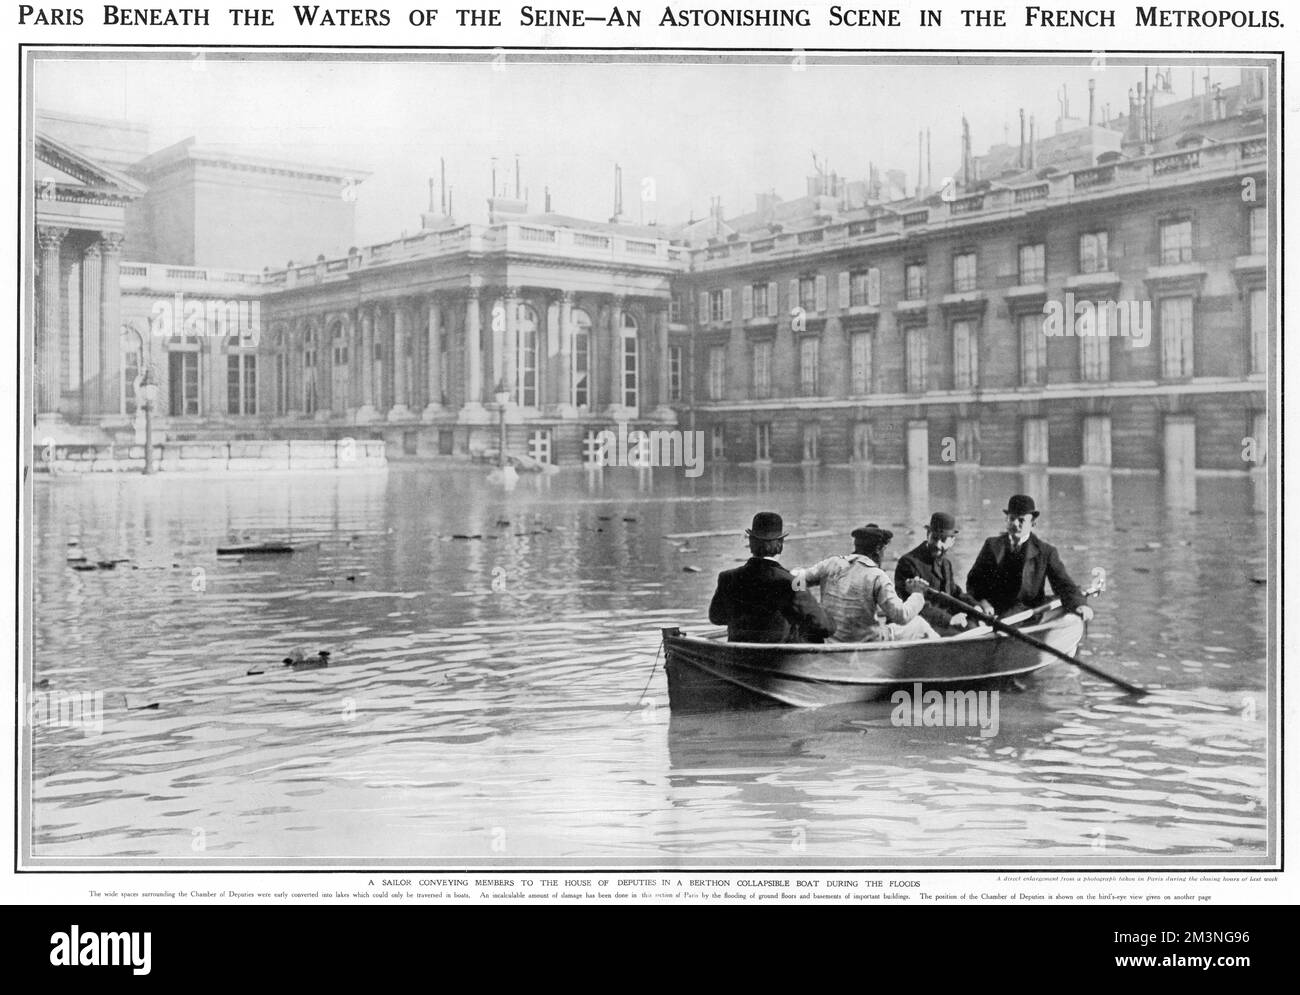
(694, 131)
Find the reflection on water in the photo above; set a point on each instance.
(489, 651)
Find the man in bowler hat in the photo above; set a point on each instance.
(1010, 572)
(930, 562)
(757, 601)
(858, 595)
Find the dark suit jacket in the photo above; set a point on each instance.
(1042, 563)
(757, 603)
(920, 563)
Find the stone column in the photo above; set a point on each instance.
(564, 368)
(110, 324)
(401, 340)
(614, 365)
(51, 321)
(366, 363)
(508, 366)
(91, 273)
(433, 360)
(662, 411)
(213, 388)
(472, 410)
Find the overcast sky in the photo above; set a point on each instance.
(698, 130)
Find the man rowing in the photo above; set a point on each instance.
(930, 562)
(859, 598)
(1012, 569)
(758, 601)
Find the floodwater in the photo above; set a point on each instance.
(498, 701)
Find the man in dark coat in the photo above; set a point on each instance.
(1011, 569)
(758, 603)
(930, 562)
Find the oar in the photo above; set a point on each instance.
(997, 624)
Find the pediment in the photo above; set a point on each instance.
(71, 168)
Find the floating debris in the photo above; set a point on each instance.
(136, 703)
(253, 672)
(460, 535)
(690, 570)
(44, 682)
(83, 566)
(263, 548)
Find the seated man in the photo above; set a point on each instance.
(757, 601)
(859, 598)
(931, 563)
(1011, 569)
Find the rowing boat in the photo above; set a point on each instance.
(706, 672)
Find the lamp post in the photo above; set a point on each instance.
(502, 395)
(146, 396)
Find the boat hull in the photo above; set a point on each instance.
(709, 673)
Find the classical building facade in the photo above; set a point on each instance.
(1094, 298)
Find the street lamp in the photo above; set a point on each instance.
(502, 395)
(146, 393)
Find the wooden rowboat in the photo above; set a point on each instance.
(706, 672)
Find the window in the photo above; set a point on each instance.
(580, 357)
(1033, 440)
(968, 441)
(630, 369)
(762, 369)
(339, 379)
(1096, 440)
(674, 373)
(965, 356)
(309, 348)
(525, 356)
(915, 347)
(811, 438)
(914, 275)
(1094, 256)
(1176, 336)
(963, 272)
(1094, 349)
(758, 293)
(674, 310)
(716, 301)
(1258, 330)
(1175, 241)
(241, 384)
(132, 367)
(1257, 231)
(539, 445)
(1033, 263)
(809, 364)
(717, 373)
(864, 288)
(183, 381)
(717, 442)
(1033, 350)
(808, 293)
(763, 441)
(860, 357)
(861, 442)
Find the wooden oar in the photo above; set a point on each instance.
(997, 624)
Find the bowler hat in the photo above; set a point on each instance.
(872, 535)
(943, 523)
(767, 525)
(1020, 504)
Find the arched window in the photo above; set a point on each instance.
(132, 367)
(526, 357)
(309, 347)
(340, 357)
(629, 367)
(580, 358)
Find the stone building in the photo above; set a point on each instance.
(1096, 297)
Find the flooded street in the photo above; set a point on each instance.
(483, 699)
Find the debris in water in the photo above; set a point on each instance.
(690, 570)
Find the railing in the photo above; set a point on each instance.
(586, 241)
(967, 205)
(528, 234)
(1096, 177)
(1026, 194)
(638, 248)
(1176, 163)
(916, 218)
(762, 245)
(1256, 148)
(808, 237)
(862, 227)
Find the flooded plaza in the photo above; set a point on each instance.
(493, 694)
